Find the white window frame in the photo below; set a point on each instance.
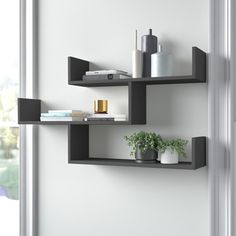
(221, 90)
(28, 134)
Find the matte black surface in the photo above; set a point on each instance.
(78, 142)
(76, 68)
(28, 110)
(132, 163)
(146, 81)
(199, 152)
(137, 103)
(74, 122)
(199, 64)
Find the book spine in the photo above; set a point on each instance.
(60, 119)
(55, 114)
(66, 111)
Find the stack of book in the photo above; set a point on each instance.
(106, 117)
(63, 115)
(106, 75)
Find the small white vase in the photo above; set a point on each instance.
(169, 157)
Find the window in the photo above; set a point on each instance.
(9, 130)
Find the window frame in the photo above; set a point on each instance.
(222, 114)
(28, 134)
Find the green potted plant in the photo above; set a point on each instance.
(144, 145)
(171, 149)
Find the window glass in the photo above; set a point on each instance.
(9, 130)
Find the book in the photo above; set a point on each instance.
(103, 119)
(98, 119)
(61, 118)
(109, 117)
(105, 72)
(65, 111)
(60, 114)
(116, 116)
(105, 77)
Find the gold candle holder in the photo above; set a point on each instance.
(100, 106)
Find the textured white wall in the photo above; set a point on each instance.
(113, 201)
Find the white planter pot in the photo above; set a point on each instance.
(169, 157)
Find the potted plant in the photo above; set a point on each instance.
(171, 149)
(144, 146)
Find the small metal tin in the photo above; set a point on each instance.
(101, 106)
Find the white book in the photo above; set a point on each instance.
(106, 72)
(120, 116)
(103, 119)
(62, 114)
(120, 119)
(61, 119)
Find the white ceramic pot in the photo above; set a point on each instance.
(169, 157)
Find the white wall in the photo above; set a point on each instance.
(114, 201)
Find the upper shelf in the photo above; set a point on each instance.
(78, 67)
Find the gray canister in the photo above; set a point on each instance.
(148, 46)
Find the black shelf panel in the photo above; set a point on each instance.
(29, 111)
(78, 67)
(74, 122)
(133, 163)
(78, 152)
(146, 81)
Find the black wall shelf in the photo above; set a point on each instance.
(29, 111)
(78, 67)
(79, 152)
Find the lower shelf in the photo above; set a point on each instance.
(133, 163)
(78, 149)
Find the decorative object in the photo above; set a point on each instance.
(144, 146)
(101, 106)
(137, 60)
(162, 63)
(149, 46)
(171, 149)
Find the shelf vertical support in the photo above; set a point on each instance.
(137, 102)
(76, 69)
(78, 142)
(199, 64)
(28, 109)
(198, 152)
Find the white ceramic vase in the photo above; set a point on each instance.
(169, 157)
